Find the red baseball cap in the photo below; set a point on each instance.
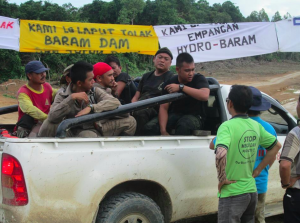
(101, 68)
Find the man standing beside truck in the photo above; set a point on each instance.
(34, 100)
(80, 98)
(236, 149)
(290, 174)
(151, 86)
(259, 104)
(187, 114)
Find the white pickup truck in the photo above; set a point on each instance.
(122, 179)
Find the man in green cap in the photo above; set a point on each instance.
(151, 86)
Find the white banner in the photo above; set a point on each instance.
(211, 42)
(9, 33)
(288, 32)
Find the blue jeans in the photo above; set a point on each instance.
(237, 209)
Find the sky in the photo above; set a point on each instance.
(246, 6)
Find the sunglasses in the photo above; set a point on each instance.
(227, 99)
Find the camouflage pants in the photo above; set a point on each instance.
(142, 117)
(113, 127)
(182, 124)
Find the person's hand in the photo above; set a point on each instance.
(172, 88)
(225, 182)
(84, 111)
(164, 133)
(255, 173)
(114, 87)
(293, 180)
(81, 96)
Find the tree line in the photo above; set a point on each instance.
(135, 12)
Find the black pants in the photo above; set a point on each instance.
(291, 205)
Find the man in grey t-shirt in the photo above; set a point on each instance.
(290, 174)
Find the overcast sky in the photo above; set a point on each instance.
(246, 6)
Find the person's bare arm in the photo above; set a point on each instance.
(271, 163)
(163, 118)
(136, 97)
(201, 94)
(268, 159)
(285, 174)
(120, 88)
(221, 162)
(211, 144)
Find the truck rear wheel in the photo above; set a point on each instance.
(129, 207)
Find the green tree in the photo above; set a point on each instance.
(130, 10)
(233, 11)
(276, 17)
(253, 17)
(263, 16)
(287, 16)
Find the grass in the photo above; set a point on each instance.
(9, 96)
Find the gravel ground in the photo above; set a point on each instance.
(213, 219)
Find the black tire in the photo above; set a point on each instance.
(119, 208)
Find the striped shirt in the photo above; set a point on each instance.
(291, 152)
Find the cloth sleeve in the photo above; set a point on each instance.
(223, 137)
(124, 77)
(163, 91)
(141, 83)
(201, 82)
(291, 147)
(60, 108)
(267, 140)
(28, 108)
(105, 101)
(54, 92)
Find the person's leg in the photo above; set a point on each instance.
(249, 214)
(291, 206)
(260, 209)
(35, 130)
(88, 134)
(152, 128)
(142, 117)
(48, 129)
(116, 127)
(187, 124)
(232, 208)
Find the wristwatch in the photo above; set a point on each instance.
(92, 107)
(285, 185)
(181, 86)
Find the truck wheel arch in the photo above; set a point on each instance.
(150, 189)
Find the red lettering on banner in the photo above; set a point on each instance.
(6, 26)
(9, 24)
(3, 25)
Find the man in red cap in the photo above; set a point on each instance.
(120, 125)
(104, 79)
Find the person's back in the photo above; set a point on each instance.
(236, 147)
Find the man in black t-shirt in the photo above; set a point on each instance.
(151, 86)
(126, 89)
(187, 114)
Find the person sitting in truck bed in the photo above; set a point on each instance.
(80, 98)
(119, 125)
(187, 114)
(34, 100)
(125, 89)
(151, 86)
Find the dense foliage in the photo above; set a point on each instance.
(137, 12)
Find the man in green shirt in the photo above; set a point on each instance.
(236, 149)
